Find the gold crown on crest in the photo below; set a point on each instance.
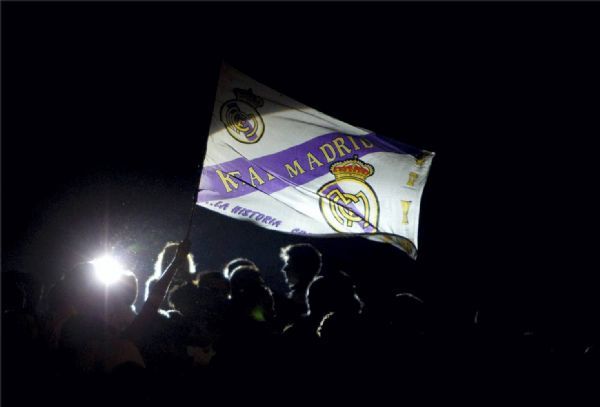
(248, 97)
(352, 168)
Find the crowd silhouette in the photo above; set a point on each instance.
(219, 336)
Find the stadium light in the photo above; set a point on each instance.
(108, 269)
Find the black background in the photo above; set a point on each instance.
(106, 107)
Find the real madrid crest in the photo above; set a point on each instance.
(240, 117)
(348, 203)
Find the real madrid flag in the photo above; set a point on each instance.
(288, 167)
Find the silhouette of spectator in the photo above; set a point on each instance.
(249, 338)
(250, 296)
(204, 306)
(185, 299)
(332, 293)
(159, 290)
(86, 295)
(120, 300)
(233, 264)
(326, 295)
(84, 292)
(88, 339)
(302, 262)
(185, 274)
(402, 341)
(161, 337)
(214, 291)
(407, 316)
(59, 308)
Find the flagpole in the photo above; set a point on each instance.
(200, 165)
(189, 227)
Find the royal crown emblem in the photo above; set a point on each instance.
(353, 168)
(348, 203)
(240, 117)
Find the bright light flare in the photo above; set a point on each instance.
(108, 269)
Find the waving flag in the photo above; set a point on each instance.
(287, 167)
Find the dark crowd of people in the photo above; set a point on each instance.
(225, 336)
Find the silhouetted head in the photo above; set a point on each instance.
(302, 262)
(332, 293)
(185, 298)
(335, 327)
(407, 314)
(213, 305)
(214, 284)
(166, 256)
(250, 295)
(244, 278)
(125, 291)
(83, 290)
(89, 295)
(119, 301)
(233, 264)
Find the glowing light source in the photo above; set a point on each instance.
(108, 270)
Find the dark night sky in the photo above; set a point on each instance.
(105, 110)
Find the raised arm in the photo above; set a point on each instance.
(157, 293)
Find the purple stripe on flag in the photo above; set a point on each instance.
(269, 173)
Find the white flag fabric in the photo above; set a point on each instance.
(287, 167)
